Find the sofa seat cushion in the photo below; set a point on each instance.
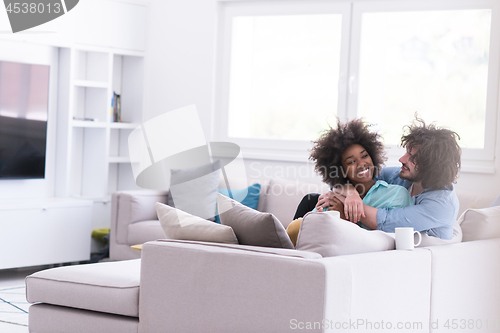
(110, 287)
(144, 231)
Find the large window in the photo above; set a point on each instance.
(282, 67)
(289, 68)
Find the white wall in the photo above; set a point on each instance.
(180, 70)
(180, 57)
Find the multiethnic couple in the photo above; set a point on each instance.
(419, 194)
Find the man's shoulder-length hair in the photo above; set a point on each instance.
(438, 157)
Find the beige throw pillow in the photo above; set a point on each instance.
(478, 224)
(251, 226)
(178, 224)
(331, 236)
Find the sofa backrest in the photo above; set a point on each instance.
(279, 196)
(283, 196)
(474, 200)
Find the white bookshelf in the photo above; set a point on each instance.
(97, 148)
(95, 151)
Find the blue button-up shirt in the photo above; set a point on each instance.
(433, 211)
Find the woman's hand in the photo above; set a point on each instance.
(336, 204)
(331, 201)
(324, 200)
(353, 206)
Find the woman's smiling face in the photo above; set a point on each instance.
(357, 164)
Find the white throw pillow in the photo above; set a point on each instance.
(177, 224)
(330, 236)
(194, 190)
(478, 224)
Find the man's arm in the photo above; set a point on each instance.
(428, 214)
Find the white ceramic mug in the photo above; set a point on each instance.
(405, 239)
(333, 213)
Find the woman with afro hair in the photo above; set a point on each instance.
(351, 155)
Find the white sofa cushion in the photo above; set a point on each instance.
(478, 224)
(177, 224)
(331, 236)
(111, 287)
(251, 226)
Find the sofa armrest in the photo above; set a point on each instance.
(128, 207)
(466, 283)
(195, 287)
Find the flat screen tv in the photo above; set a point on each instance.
(24, 97)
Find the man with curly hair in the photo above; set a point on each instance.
(429, 168)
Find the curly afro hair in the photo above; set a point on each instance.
(327, 150)
(438, 158)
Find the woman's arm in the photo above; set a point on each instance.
(354, 209)
(370, 218)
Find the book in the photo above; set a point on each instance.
(116, 108)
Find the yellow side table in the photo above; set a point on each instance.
(137, 247)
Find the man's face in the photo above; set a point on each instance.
(408, 170)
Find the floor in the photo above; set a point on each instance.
(13, 304)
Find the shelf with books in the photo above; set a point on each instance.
(127, 81)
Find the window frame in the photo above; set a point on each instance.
(473, 159)
(291, 150)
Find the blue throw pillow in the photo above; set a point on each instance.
(251, 200)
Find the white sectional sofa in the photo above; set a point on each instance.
(187, 286)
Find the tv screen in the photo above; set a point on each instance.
(24, 96)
